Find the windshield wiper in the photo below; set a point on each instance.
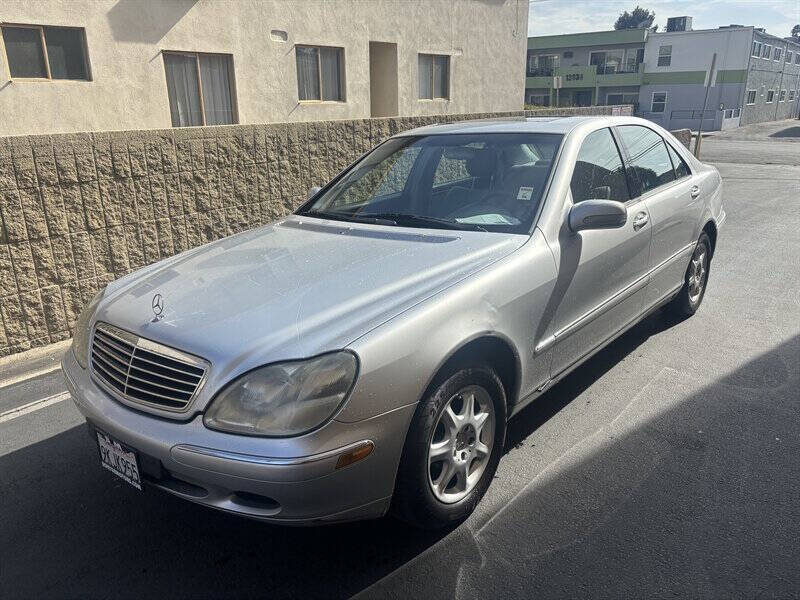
(436, 222)
(340, 216)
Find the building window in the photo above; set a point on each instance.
(659, 103)
(782, 96)
(200, 88)
(777, 53)
(664, 56)
(797, 58)
(791, 95)
(568, 54)
(631, 98)
(751, 96)
(770, 96)
(607, 61)
(37, 52)
(756, 49)
(434, 77)
(788, 56)
(320, 73)
(766, 50)
(542, 64)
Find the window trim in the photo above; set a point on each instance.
(4, 55)
(789, 56)
(777, 53)
(342, 83)
(756, 53)
(434, 97)
(755, 97)
(231, 83)
(766, 51)
(782, 95)
(768, 101)
(653, 99)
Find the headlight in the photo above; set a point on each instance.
(80, 341)
(284, 399)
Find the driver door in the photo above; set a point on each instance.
(602, 273)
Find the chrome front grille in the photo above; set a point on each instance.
(139, 371)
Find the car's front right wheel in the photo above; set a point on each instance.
(452, 449)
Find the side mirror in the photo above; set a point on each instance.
(313, 192)
(597, 214)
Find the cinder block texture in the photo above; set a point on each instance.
(80, 210)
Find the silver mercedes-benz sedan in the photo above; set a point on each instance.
(364, 354)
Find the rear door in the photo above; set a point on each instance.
(602, 274)
(663, 180)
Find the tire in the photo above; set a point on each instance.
(690, 296)
(460, 444)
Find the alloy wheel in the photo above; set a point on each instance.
(698, 269)
(461, 444)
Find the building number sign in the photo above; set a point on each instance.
(574, 77)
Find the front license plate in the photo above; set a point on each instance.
(119, 459)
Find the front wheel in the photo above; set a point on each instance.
(688, 300)
(452, 449)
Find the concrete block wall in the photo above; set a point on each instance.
(80, 210)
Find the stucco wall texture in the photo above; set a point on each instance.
(485, 39)
(80, 210)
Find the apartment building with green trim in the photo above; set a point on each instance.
(666, 75)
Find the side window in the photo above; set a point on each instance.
(599, 174)
(649, 162)
(681, 168)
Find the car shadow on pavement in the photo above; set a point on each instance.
(70, 529)
(690, 491)
(789, 132)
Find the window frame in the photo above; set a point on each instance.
(653, 101)
(747, 97)
(667, 56)
(342, 83)
(231, 84)
(768, 99)
(777, 53)
(434, 97)
(782, 95)
(43, 41)
(766, 51)
(756, 53)
(789, 55)
(791, 95)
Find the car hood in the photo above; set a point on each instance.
(293, 289)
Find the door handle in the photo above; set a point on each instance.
(694, 191)
(639, 221)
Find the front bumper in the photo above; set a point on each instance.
(289, 480)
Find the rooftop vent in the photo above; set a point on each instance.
(679, 24)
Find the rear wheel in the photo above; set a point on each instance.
(452, 449)
(688, 300)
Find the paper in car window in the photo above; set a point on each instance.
(525, 193)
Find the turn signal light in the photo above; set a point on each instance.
(356, 454)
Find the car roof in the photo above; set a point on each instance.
(553, 124)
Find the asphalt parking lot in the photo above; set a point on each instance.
(666, 466)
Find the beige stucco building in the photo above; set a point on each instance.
(89, 65)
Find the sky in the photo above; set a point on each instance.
(549, 17)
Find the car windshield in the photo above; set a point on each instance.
(486, 182)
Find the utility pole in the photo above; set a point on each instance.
(705, 102)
